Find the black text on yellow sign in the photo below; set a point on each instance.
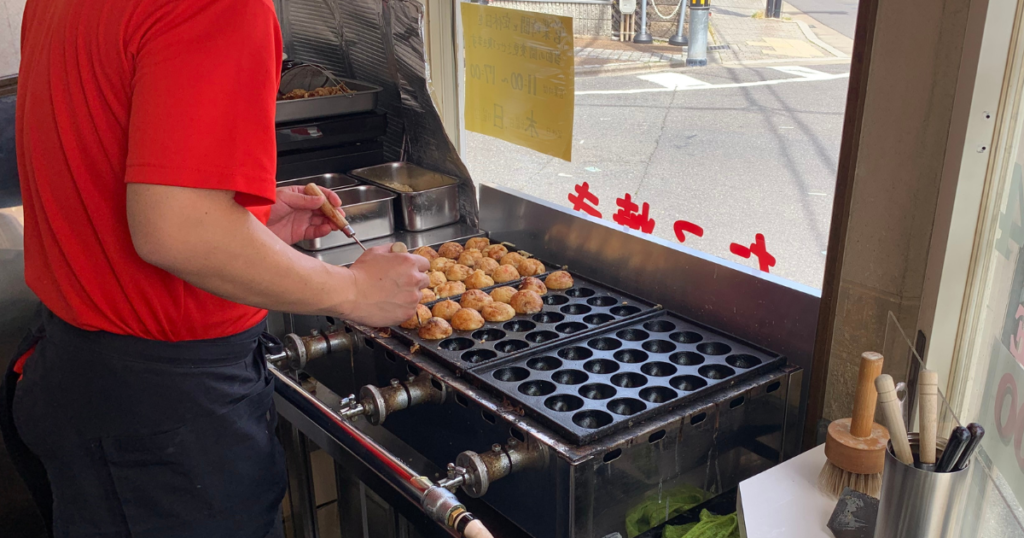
(519, 77)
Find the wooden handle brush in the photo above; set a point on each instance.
(894, 418)
(855, 447)
(928, 412)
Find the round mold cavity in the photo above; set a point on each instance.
(686, 337)
(539, 337)
(630, 356)
(456, 344)
(511, 374)
(601, 366)
(575, 309)
(597, 391)
(714, 348)
(476, 356)
(688, 383)
(633, 335)
(544, 364)
(602, 301)
(519, 326)
(570, 327)
(537, 387)
(592, 419)
(563, 403)
(555, 300)
(742, 360)
(604, 344)
(575, 353)
(687, 358)
(657, 394)
(626, 406)
(569, 377)
(548, 317)
(579, 292)
(629, 380)
(659, 346)
(715, 371)
(511, 346)
(598, 319)
(488, 335)
(658, 369)
(660, 326)
(624, 310)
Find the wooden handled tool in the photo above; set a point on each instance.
(476, 529)
(893, 418)
(330, 212)
(928, 411)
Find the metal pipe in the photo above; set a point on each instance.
(697, 52)
(679, 40)
(643, 37)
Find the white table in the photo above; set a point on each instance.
(785, 502)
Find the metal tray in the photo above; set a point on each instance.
(432, 202)
(585, 308)
(363, 100)
(368, 209)
(328, 181)
(605, 382)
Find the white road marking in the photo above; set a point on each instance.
(674, 81)
(805, 75)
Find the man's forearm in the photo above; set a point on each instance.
(205, 238)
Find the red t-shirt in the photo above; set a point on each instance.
(167, 92)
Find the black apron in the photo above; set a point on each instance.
(149, 439)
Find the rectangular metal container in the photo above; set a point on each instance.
(363, 100)
(328, 181)
(432, 199)
(368, 209)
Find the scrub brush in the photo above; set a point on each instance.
(855, 447)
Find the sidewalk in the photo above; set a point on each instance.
(736, 37)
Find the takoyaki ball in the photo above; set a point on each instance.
(503, 294)
(446, 309)
(458, 272)
(505, 273)
(559, 280)
(467, 319)
(475, 299)
(450, 250)
(422, 315)
(498, 312)
(478, 243)
(533, 284)
(437, 278)
(530, 267)
(513, 259)
(487, 265)
(427, 252)
(495, 252)
(450, 289)
(470, 256)
(441, 264)
(435, 329)
(478, 280)
(427, 295)
(526, 302)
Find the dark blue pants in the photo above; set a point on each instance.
(152, 439)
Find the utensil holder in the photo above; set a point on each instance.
(920, 504)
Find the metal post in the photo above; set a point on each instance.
(643, 37)
(679, 40)
(697, 52)
(773, 9)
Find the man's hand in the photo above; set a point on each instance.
(296, 215)
(387, 286)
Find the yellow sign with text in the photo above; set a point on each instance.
(519, 77)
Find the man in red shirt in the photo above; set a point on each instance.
(156, 240)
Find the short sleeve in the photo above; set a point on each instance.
(206, 75)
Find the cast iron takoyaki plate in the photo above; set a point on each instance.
(603, 382)
(582, 309)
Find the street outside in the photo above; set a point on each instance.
(743, 149)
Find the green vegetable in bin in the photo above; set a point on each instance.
(656, 511)
(709, 526)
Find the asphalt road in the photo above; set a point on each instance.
(736, 151)
(840, 15)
